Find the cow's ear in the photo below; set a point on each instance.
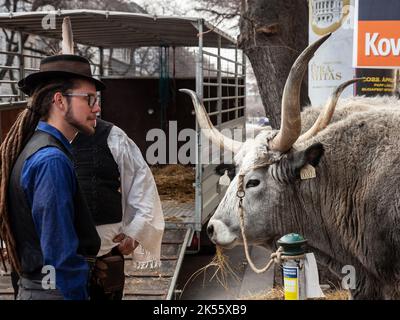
(312, 155)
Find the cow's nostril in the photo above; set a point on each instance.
(210, 231)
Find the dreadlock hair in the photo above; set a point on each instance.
(22, 130)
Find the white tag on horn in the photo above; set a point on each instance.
(307, 172)
(225, 180)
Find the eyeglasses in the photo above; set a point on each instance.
(92, 99)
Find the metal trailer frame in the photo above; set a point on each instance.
(185, 32)
(201, 216)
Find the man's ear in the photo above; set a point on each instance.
(312, 155)
(58, 100)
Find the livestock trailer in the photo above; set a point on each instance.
(190, 53)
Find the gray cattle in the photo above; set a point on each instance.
(350, 212)
(348, 106)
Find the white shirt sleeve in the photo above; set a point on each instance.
(142, 218)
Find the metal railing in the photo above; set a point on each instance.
(230, 85)
(221, 85)
(19, 68)
(9, 94)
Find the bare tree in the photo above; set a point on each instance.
(162, 7)
(220, 10)
(272, 34)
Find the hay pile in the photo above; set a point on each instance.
(175, 182)
(221, 267)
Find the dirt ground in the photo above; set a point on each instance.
(175, 182)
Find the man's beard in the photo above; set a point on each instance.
(70, 118)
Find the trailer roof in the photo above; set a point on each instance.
(111, 29)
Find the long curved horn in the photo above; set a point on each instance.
(326, 114)
(209, 130)
(290, 116)
(67, 38)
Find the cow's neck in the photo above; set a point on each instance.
(309, 215)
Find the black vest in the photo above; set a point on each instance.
(27, 240)
(98, 174)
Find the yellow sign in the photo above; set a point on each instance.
(291, 283)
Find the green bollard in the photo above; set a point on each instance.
(293, 269)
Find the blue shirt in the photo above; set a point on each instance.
(49, 182)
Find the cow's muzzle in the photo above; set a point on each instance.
(220, 234)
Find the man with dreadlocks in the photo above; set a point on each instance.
(45, 221)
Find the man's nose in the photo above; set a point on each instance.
(96, 108)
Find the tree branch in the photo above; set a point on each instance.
(219, 14)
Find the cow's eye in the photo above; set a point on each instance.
(252, 183)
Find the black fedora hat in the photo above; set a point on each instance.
(63, 65)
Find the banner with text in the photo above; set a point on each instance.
(331, 64)
(377, 34)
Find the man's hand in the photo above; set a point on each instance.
(126, 243)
